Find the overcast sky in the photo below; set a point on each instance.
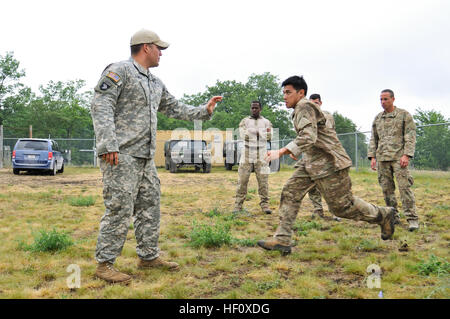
(348, 51)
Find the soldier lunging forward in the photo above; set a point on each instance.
(325, 165)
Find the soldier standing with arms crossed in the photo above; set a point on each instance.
(123, 110)
(325, 165)
(391, 146)
(255, 130)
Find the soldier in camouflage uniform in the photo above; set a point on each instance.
(391, 146)
(314, 194)
(325, 165)
(123, 110)
(255, 130)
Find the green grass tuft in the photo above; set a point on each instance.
(48, 241)
(215, 212)
(245, 242)
(304, 227)
(267, 285)
(434, 265)
(82, 200)
(368, 245)
(210, 235)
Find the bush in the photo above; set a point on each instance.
(82, 201)
(48, 241)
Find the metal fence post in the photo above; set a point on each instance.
(356, 151)
(95, 153)
(1, 146)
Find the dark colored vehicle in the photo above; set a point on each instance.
(232, 151)
(187, 153)
(31, 154)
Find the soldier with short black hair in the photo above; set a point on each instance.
(123, 110)
(255, 130)
(391, 147)
(325, 165)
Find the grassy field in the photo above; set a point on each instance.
(217, 250)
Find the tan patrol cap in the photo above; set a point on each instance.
(147, 36)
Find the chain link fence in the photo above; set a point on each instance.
(432, 149)
(355, 144)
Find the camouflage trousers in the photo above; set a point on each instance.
(316, 199)
(262, 170)
(337, 192)
(386, 173)
(131, 190)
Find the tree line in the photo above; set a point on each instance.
(62, 110)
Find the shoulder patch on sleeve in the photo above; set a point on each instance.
(113, 76)
(104, 86)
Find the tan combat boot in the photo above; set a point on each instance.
(273, 244)
(413, 224)
(157, 263)
(107, 272)
(387, 224)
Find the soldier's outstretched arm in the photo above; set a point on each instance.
(276, 154)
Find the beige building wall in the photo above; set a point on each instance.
(214, 138)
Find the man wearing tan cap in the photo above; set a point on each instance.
(123, 109)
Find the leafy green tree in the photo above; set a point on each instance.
(61, 110)
(346, 125)
(9, 82)
(432, 142)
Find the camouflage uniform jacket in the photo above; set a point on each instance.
(254, 143)
(124, 108)
(330, 119)
(323, 153)
(393, 135)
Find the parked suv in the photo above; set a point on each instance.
(189, 153)
(232, 151)
(32, 154)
